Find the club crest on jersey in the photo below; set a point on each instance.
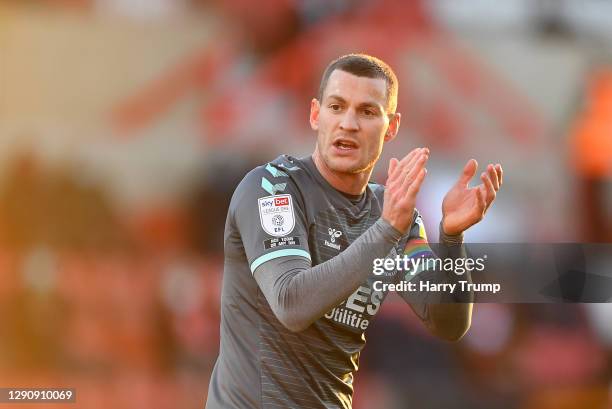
(276, 215)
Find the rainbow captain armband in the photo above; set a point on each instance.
(416, 252)
(417, 247)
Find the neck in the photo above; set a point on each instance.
(351, 183)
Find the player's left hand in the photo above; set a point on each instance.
(465, 206)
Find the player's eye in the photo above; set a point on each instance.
(335, 107)
(369, 112)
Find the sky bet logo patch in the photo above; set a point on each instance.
(276, 215)
(281, 201)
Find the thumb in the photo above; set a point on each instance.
(468, 173)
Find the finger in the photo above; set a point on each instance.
(392, 166)
(424, 153)
(500, 173)
(414, 188)
(413, 163)
(469, 170)
(413, 173)
(410, 162)
(490, 189)
(481, 192)
(396, 174)
(403, 171)
(401, 164)
(493, 176)
(409, 176)
(410, 155)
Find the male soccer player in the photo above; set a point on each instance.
(300, 241)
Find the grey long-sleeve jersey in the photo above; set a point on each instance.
(285, 211)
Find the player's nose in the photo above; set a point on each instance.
(349, 121)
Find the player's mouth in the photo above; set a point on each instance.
(345, 145)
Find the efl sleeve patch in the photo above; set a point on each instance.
(276, 214)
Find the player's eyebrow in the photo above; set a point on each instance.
(373, 105)
(336, 97)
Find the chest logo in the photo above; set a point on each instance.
(333, 235)
(276, 215)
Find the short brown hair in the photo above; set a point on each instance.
(363, 65)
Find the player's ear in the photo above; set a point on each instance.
(315, 107)
(394, 123)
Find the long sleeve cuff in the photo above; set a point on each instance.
(449, 240)
(389, 233)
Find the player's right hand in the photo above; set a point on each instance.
(403, 183)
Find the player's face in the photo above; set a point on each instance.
(352, 122)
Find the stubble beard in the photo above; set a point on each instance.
(354, 169)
